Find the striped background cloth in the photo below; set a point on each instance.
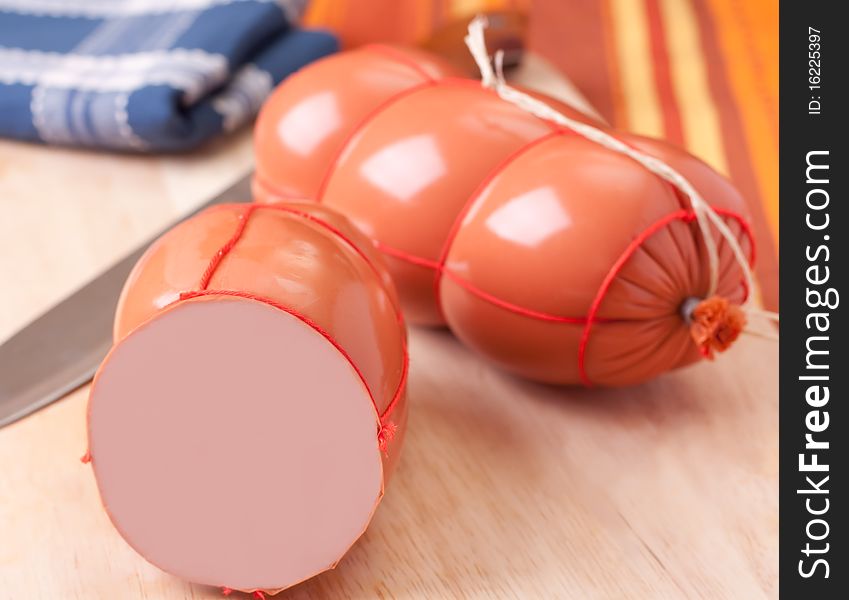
(144, 75)
(700, 73)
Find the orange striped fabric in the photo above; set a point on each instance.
(700, 73)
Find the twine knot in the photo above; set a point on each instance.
(714, 323)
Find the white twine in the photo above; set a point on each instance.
(705, 215)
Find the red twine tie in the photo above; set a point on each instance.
(386, 432)
(714, 325)
(385, 435)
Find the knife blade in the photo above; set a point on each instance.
(61, 350)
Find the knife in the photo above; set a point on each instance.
(60, 350)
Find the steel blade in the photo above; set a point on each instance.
(60, 350)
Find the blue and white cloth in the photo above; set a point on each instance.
(144, 75)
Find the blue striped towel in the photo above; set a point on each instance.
(144, 75)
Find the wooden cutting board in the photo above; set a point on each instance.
(506, 489)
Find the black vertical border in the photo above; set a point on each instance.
(801, 133)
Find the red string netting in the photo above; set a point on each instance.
(686, 214)
(387, 428)
(592, 317)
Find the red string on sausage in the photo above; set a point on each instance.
(386, 430)
(439, 266)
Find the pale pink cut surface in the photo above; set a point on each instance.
(234, 445)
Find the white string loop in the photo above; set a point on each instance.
(704, 214)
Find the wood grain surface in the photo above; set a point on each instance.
(506, 489)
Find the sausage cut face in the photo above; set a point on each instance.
(233, 444)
